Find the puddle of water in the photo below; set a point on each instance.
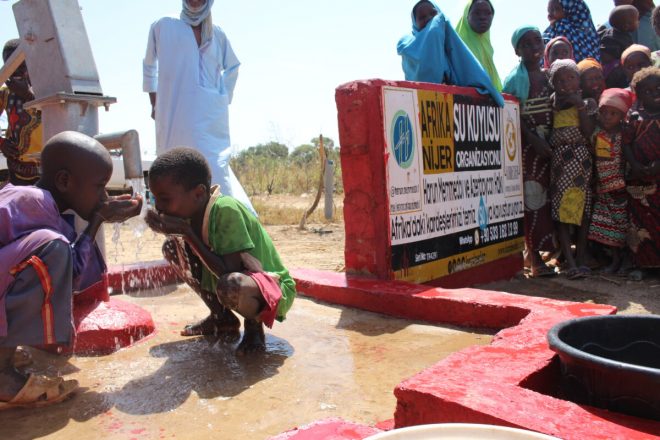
(323, 361)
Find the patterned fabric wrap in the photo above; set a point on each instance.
(22, 142)
(571, 175)
(644, 197)
(536, 114)
(609, 223)
(578, 27)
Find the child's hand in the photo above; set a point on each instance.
(574, 99)
(166, 224)
(120, 208)
(542, 148)
(19, 85)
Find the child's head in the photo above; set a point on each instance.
(565, 77)
(646, 85)
(656, 20)
(423, 12)
(7, 51)
(555, 11)
(559, 48)
(613, 107)
(75, 168)
(592, 80)
(635, 58)
(180, 181)
(480, 17)
(528, 44)
(643, 6)
(625, 18)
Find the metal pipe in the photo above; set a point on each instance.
(129, 143)
(329, 185)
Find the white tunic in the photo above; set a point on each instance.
(194, 86)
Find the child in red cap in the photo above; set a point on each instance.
(609, 222)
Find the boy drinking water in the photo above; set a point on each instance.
(42, 262)
(219, 248)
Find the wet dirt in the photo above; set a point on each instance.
(323, 361)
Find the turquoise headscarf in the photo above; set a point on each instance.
(517, 82)
(436, 54)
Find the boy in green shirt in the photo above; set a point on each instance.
(219, 248)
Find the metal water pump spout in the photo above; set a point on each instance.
(129, 143)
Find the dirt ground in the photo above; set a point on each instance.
(321, 246)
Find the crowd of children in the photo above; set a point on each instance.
(591, 152)
(588, 117)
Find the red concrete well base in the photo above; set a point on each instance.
(105, 327)
(103, 324)
(141, 276)
(511, 382)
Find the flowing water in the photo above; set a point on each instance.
(323, 361)
(136, 224)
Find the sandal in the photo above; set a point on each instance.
(541, 271)
(577, 273)
(41, 391)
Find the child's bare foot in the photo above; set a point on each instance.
(254, 338)
(214, 325)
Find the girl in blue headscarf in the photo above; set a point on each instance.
(531, 85)
(572, 19)
(435, 53)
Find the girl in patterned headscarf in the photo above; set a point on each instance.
(559, 48)
(572, 163)
(572, 19)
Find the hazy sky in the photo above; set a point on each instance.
(294, 54)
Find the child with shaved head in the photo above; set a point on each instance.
(219, 248)
(42, 261)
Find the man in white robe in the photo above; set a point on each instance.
(190, 71)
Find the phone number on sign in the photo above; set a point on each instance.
(499, 232)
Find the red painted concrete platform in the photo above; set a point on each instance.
(329, 429)
(107, 326)
(103, 324)
(140, 276)
(511, 382)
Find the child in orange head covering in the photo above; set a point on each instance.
(609, 222)
(592, 79)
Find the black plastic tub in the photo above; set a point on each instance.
(611, 362)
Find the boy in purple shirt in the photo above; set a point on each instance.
(42, 262)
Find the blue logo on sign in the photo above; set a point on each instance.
(482, 216)
(403, 144)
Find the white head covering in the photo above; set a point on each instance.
(195, 16)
